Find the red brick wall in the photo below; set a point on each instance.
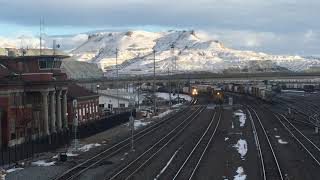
(4, 103)
(87, 116)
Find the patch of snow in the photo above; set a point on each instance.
(43, 163)
(275, 129)
(87, 147)
(13, 170)
(138, 124)
(280, 141)
(242, 117)
(166, 96)
(177, 105)
(241, 175)
(232, 126)
(226, 139)
(277, 136)
(69, 154)
(168, 163)
(161, 115)
(242, 147)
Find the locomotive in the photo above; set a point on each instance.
(215, 94)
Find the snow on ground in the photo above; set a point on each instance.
(242, 117)
(280, 141)
(161, 115)
(277, 136)
(138, 124)
(242, 147)
(226, 139)
(87, 147)
(13, 170)
(177, 105)
(69, 154)
(43, 163)
(166, 96)
(241, 175)
(168, 163)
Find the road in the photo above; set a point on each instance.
(248, 140)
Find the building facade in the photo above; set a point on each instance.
(33, 94)
(87, 106)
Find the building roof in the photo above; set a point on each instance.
(81, 70)
(75, 92)
(16, 53)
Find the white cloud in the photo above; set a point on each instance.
(270, 25)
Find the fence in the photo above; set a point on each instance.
(31, 147)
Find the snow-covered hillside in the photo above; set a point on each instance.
(191, 53)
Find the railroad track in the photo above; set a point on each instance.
(79, 169)
(302, 112)
(270, 166)
(128, 171)
(190, 165)
(310, 147)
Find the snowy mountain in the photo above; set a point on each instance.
(191, 53)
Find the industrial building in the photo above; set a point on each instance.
(33, 94)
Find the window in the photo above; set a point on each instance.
(42, 64)
(57, 64)
(122, 105)
(49, 63)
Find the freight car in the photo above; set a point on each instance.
(258, 91)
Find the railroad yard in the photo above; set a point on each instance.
(250, 139)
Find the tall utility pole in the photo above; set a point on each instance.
(40, 36)
(154, 83)
(117, 70)
(139, 93)
(170, 89)
(131, 121)
(174, 64)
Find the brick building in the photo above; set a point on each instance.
(33, 94)
(87, 104)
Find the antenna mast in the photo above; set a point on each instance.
(40, 37)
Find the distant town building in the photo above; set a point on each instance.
(110, 102)
(33, 94)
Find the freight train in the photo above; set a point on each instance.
(258, 91)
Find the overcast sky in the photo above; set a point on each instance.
(275, 26)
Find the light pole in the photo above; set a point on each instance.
(98, 87)
(154, 83)
(170, 102)
(75, 123)
(117, 71)
(131, 119)
(174, 64)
